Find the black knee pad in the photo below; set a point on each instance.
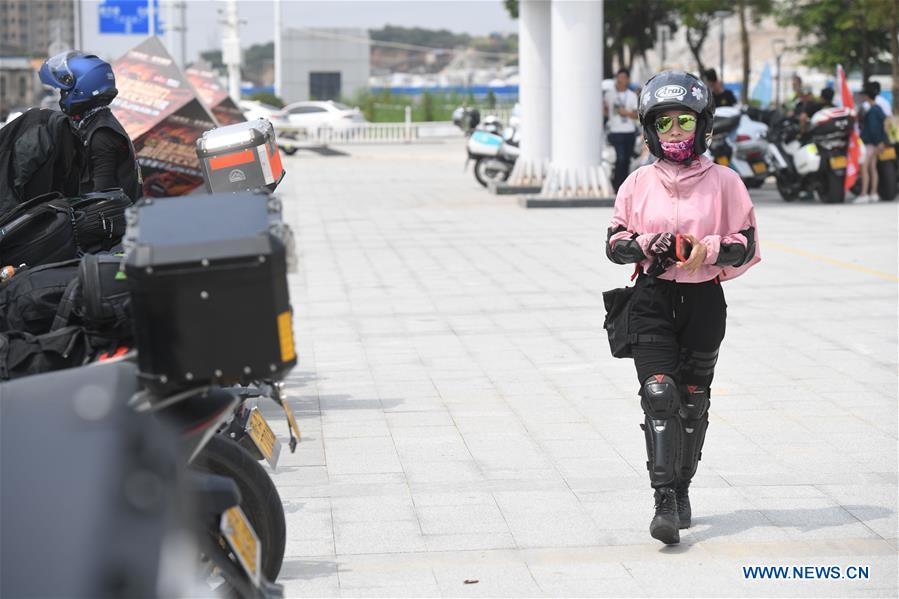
(694, 402)
(660, 397)
(694, 419)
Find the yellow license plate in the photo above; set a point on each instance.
(723, 160)
(264, 438)
(889, 153)
(291, 418)
(759, 167)
(243, 541)
(839, 162)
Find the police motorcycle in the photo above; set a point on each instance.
(493, 148)
(815, 161)
(740, 143)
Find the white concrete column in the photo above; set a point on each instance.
(577, 132)
(279, 82)
(534, 92)
(232, 55)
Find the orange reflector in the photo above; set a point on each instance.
(232, 159)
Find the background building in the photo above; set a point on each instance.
(324, 64)
(31, 27)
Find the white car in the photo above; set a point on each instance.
(321, 114)
(253, 109)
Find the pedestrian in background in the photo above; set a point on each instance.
(827, 97)
(722, 95)
(875, 138)
(621, 109)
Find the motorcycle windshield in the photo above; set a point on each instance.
(56, 71)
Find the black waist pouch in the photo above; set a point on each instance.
(618, 308)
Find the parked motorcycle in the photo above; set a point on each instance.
(740, 143)
(494, 154)
(813, 162)
(886, 173)
(493, 147)
(115, 513)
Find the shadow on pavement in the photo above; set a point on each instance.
(804, 520)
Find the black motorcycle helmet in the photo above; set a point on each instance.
(676, 90)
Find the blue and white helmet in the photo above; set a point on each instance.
(83, 80)
(676, 90)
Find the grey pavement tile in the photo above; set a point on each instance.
(360, 574)
(289, 477)
(373, 508)
(354, 429)
(470, 541)
(452, 472)
(508, 579)
(309, 577)
(431, 418)
(397, 536)
(363, 455)
(437, 448)
(461, 519)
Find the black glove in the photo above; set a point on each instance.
(662, 244)
(662, 251)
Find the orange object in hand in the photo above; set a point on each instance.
(6, 273)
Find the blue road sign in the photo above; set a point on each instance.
(128, 17)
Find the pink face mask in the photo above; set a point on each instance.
(678, 151)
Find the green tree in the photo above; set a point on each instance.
(511, 8)
(854, 33)
(754, 11)
(631, 28)
(427, 106)
(698, 16)
(894, 50)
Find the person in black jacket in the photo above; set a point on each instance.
(87, 86)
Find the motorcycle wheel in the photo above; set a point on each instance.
(886, 186)
(788, 192)
(753, 183)
(832, 189)
(289, 151)
(259, 497)
(484, 175)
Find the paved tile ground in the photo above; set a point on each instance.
(464, 421)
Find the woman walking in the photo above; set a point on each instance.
(687, 224)
(874, 137)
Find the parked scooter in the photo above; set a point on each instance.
(813, 162)
(494, 155)
(740, 143)
(493, 147)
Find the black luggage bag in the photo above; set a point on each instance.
(209, 291)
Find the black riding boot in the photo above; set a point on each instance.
(684, 513)
(665, 525)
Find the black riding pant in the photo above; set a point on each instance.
(686, 321)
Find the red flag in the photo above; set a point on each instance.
(854, 140)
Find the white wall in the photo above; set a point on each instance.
(338, 50)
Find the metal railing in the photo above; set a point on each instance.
(360, 133)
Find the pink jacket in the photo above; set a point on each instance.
(706, 200)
